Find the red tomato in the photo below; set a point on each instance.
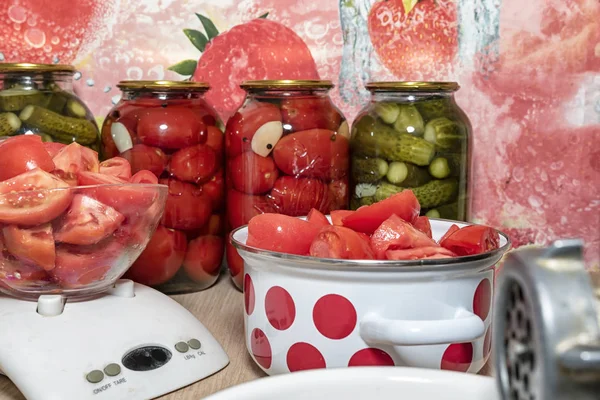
(203, 258)
(116, 166)
(194, 164)
(244, 123)
(316, 217)
(242, 207)
(22, 153)
(53, 148)
(142, 157)
(281, 233)
(145, 177)
(215, 189)
(338, 215)
(187, 207)
(215, 139)
(368, 218)
(395, 234)
(170, 127)
(73, 160)
(235, 264)
(422, 224)
(161, 259)
(253, 174)
(33, 198)
(419, 253)
(34, 245)
(341, 242)
(338, 194)
(87, 222)
(78, 266)
(316, 153)
(214, 226)
(449, 232)
(304, 113)
(126, 198)
(472, 239)
(296, 196)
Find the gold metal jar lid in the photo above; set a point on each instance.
(286, 84)
(412, 86)
(163, 85)
(35, 68)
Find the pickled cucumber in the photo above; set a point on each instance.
(388, 112)
(368, 170)
(430, 195)
(76, 109)
(446, 165)
(445, 134)
(406, 174)
(435, 108)
(375, 139)
(16, 99)
(55, 102)
(9, 124)
(63, 128)
(409, 120)
(433, 213)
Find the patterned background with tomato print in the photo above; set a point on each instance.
(529, 72)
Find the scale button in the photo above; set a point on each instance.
(112, 369)
(194, 344)
(95, 376)
(181, 347)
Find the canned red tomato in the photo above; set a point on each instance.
(287, 150)
(167, 128)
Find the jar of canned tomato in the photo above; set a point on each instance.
(166, 127)
(287, 151)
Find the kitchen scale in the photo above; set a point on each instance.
(132, 342)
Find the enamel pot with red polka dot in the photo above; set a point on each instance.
(305, 313)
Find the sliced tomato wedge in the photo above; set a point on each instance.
(316, 217)
(337, 216)
(420, 253)
(395, 234)
(73, 159)
(33, 198)
(22, 153)
(31, 245)
(422, 224)
(281, 233)
(449, 232)
(144, 176)
(341, 242)
(79, 266)
(53, 148)
(116, 166)
(87, 221)
(368, 218)
(472, 239)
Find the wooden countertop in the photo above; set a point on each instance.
(220, 309)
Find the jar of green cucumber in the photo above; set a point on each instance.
(413, 135)
(39, 99)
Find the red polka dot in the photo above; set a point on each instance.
(303, 356)
(261, 348)
(249, 296)
(367, 357)
(482, 301)
(280, 308)
(334, 316)
(487, 342)
(458, 357)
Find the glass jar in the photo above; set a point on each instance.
(287, 151)
(167, 127)
(39, 99)
(413, 135)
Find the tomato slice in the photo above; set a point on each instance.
(195, 164)
(472, 239)
(316, 217)
(281, 233)
(20, 154)
(422, 224)
(368, 218)
(395, 233)
(78, 266)
(116, 166)
(297, 196)
(15, 273)
(31, 245)
(338, 215)
(304, 113)
(170, 127)
(203, 258)
(420, 253)
(87, 222)
(242, 207)
(253, 174)
(161, 259)
(53, 148)
(33, 198)
(341, 242)
(242, 126)
(142, 157)
(74, 159)
(187, 207)
(449, 232)
(144, 176)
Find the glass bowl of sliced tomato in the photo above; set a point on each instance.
(69, 224)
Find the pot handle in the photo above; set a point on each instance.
(464, 327)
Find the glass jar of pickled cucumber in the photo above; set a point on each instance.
(39, 99)
(168, 129)
(412, 135)
(287, 151)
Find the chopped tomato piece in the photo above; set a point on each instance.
(420, 253)
(472, 239)
(144, 176)
(368, 218)
(73, 160)
(34, 245)
(53, 148)
(20, 154)
(422, 224)
(316, 217)
(116, 166)
(281, 233)
(395, 233)
(341, 242)
(449, 232)
(78, 266)
(338, 215)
